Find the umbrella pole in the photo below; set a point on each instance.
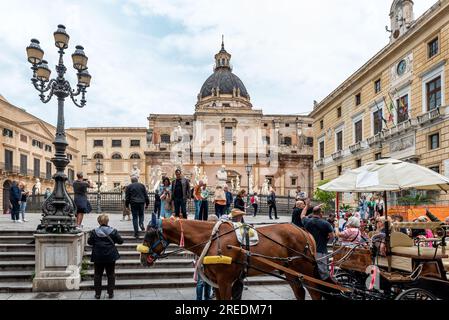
(387, 232)
(337, 205)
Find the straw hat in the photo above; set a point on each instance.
(236, 212)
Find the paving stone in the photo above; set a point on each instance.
(71, 295)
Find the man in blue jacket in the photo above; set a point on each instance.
(14, 197)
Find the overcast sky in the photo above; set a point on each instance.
(152, 56)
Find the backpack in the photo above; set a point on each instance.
(252, 200)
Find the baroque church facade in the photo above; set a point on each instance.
(226, 132)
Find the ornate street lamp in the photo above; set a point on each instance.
(58, 209)
(248, 169)
(99, 167)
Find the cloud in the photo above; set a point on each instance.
(152, 56)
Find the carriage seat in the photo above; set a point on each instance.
(402, 245)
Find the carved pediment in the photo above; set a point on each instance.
(38, 127)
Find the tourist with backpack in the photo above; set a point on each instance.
(255, 203)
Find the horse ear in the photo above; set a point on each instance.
(153, 220)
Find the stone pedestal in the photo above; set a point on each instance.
(58, 261)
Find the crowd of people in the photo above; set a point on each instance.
(365, 224)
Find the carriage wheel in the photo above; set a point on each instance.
(346, 279)
(416, 294)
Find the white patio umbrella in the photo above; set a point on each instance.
(388, 175)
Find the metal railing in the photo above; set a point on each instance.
(111, 202)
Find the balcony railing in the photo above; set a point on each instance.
(375, 139)
(429, 116)
(355, 147)
(399, 128)
(319, 162)
(337, 155)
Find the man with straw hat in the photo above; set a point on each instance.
(236, 215)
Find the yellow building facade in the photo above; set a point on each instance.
(395, 105)
(26, 150)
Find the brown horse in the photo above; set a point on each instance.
(287, 240)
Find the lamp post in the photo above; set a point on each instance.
(98, 166)
(248, 169)
(58, 209)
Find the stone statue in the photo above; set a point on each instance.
(197, 174)
(232, 185)
(158, 179)
(38, 186)
(237, 183)
(222, 176)
(265, 187)
(251, 184)
(135, 172)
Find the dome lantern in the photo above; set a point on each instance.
(222, 58)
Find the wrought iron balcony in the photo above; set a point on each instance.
(355, 147)
(429, 116)
(319, 162)
(337, 155)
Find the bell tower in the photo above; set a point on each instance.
(401, 17)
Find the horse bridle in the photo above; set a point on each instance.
(160, 240)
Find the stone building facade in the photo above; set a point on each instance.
(26, 150)
(395, 105)
(118, 149)
(225, 130)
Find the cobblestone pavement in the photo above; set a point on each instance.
(269, 292)
(90, 221)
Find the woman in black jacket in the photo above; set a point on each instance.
(239, 203)
(104, 254)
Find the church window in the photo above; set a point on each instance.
(165, 138)
(294, 181)
(134, 156)
(116, 156)
(98, 156)
(288, 141)
(228, 134)
(98, 143)
(116, 143)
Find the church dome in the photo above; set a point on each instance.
(223, 81)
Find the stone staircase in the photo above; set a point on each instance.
(16, 261)
(17, 266)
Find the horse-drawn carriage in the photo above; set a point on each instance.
(408, 271)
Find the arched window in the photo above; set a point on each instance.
(98, 156)
(165, 138)
(134, 156)
(288, 141)
(116, 156)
